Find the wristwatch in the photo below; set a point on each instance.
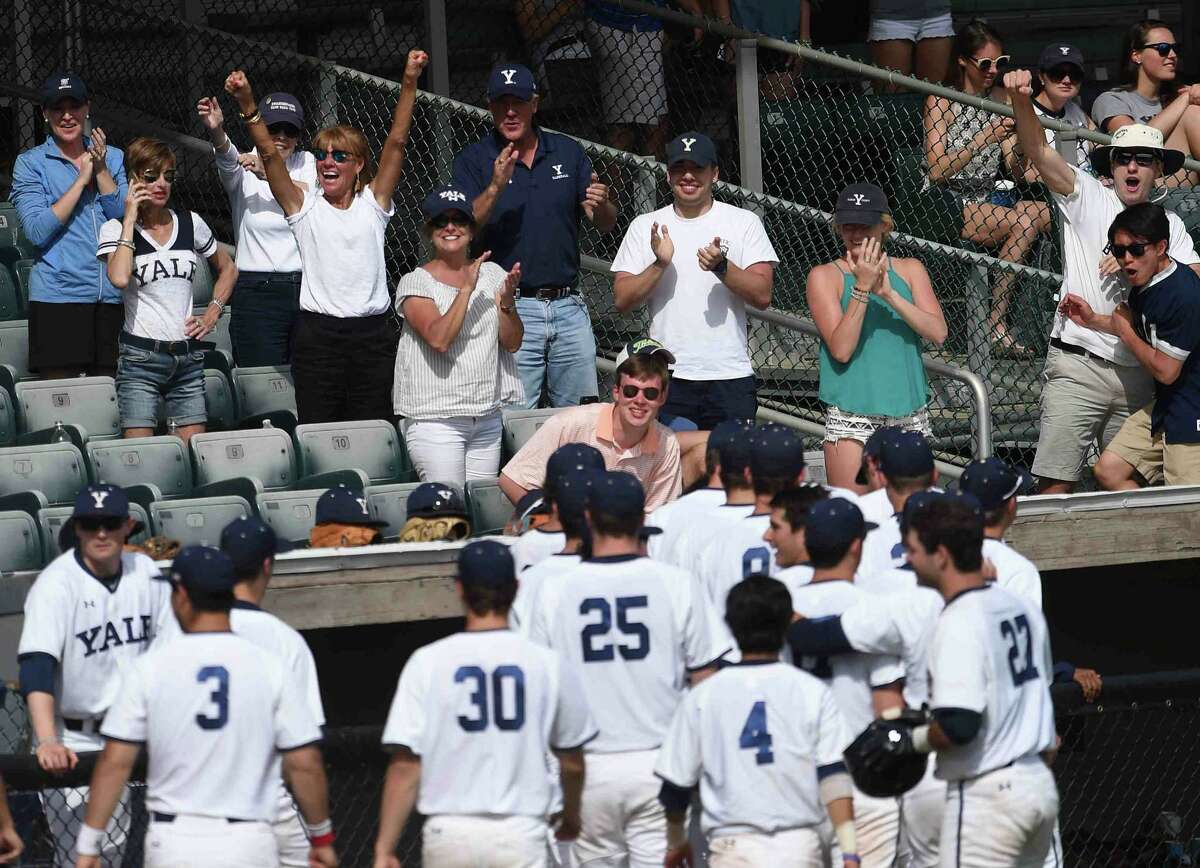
(721, 267)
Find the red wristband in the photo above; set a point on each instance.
(325, 840)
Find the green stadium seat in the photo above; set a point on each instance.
(264, 390)
(198, 520)
(90, 402)
(161, 461)
(219, 401)
(390, 503)
(14, 347)
(23, 269)
(202, 283)
(52, 519)
(488, 508)
(20, 542)
(10, 296)
(374, 446)
(57, 470)
(291, 514)
(520, 425)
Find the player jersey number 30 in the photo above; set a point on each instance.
(503, 693)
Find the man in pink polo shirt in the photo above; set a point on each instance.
(626, 432)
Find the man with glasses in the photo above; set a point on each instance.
(1093, 382)
(1161, 327)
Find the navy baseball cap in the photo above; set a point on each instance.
(202, 570)
(617, 493)
(511, 79)
(917, 501)
(281, 108)
(692, 147)
(447, 198)
(776, 451)
(861, 203)
(486, 562)
(835, 522)
(875, 441)
(430, 499)
(531, 503)
(574, 487)
(731, 438)
(905, 454)
(993, 481)
(341, 505)
(101, 501)
(63, 86)
(1059, 53)
(572, 456)
(249, 541)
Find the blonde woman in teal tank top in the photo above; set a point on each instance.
(872, 310)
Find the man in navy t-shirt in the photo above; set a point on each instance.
(1161, 327)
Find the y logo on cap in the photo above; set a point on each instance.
(508, 75)
(687, 145)
(362, 503)
(1065, 49)
(98, 497)
(860, 199)
(445, 493)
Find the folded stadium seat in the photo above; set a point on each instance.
(390, 503)
(219, 335)
(264, 390)
(14, 347)
(202, 283)
(488, 508)
(20, 542)
(520, 425)
(52, 518)
(197, 521)
(8, 417)
(14, 245)
(10, 296)
(291, 514)
(23, 270)
(89, 402)
(56, 470)
(219, 401)
(373, 446)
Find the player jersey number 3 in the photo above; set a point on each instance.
(597, 646)
(217, 678)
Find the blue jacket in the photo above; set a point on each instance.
(66, 269)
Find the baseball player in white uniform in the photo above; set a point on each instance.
(539, 543)
(906, 461)
(993, 721)
(215, 715)
(865, 686)
(764, 742)
(874, 501)
(90, 613)
(636, 632)
(785, 535)
(472, 720)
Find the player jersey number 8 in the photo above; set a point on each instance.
(504, 715)
(639, 645)
(218, 676)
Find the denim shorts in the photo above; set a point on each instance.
(145, 377)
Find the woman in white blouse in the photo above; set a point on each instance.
(460, 319)
(344, 349)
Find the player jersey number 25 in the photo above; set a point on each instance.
(599, 645)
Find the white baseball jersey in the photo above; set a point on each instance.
(285, 642)
(737, 552)
(1014, 572)
(215, 713)
(991, 654)
(702, 530)
(536, 545)
(93, 632)
(520, 615)
(795, 577)
(481, 709)
(753, 737)
(630, 627)
(851, 676)
(875, 506)
(676, 517)
(883, 549)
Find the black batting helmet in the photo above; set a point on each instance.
(882, 760)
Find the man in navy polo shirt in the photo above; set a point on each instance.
(1161, 327)
(530, 188)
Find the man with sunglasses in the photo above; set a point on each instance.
(1093, 382)
(1161, 327)
(91, 612)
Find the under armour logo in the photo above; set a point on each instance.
(508, 75)
(98, 497)
(687, 145)
(1064, 49)
(64, 83)
(362, 504)
(89, 604)
(860, 199)
(452, 196)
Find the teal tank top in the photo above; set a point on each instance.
(885, 376)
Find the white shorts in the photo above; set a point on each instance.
(633, 82)
(473, 841)
(840, 425)
(621, 812)
(1002, 819)
(793, 848)
(912, 29)
(209, 842)
(921, 810)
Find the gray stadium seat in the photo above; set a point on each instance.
(20, 542)
(10, 296)
(373, 446)
(520, 425)
(57, 470)
(264, 390)
(8, 418)
(488, 507)
(219, 401)
(219, 335)
(264, 454)
(90, 402)
(23, 271)
(14, 346)
(197, 520)
(202, 283)
(390, 503)
(53, 518)
(291, 514)
(161, 461)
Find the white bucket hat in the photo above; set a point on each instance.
(1138, 137)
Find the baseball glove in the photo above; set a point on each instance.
(443, 528)
(882, 759)
(158, 548)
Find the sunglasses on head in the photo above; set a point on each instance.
(1164, 49)
(150, 176)
(441, 221)
(337, 156)
(91, 524)
(1119, 250)
(283, 129)
(1142, 158)
(987, 64)
(631, 391)
(1060, 73)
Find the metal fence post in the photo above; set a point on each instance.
(1066, 143)
(749, 122)
(437, 41)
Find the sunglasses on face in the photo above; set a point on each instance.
(1142, 158)
(1164, 49)
(443, 220)
(92, 524)
(631, 391)
(150, 176)
(987, 64)
(282, 129)
(1061, 73)
(1136, 250)
(336, 156)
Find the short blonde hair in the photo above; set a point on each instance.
(344, 137)
(889, 226)
(146, 154)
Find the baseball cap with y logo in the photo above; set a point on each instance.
(861, 203)
(101, 501)
(511, 79)
(341, 505)
(430, 499)
(1058, 53)
(692, 147)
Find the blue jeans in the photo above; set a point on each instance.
(263, 317)
(558, 352)
(707, 402)
(145, 376)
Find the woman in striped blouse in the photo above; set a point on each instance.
(459, 315)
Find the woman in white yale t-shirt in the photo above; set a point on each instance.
(460, 318)
(345, 343)
(151, 255)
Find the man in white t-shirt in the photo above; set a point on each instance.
(1092, 382)
(697, 301)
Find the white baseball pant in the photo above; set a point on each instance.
(877, 827)
(190, 841)
(64, 809)
(792, 848)
(623, 822)
(1001, 819)
(291, 840)
(474, 841)
(921, 810)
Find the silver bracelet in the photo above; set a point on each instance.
(220, 305)
(121, 242)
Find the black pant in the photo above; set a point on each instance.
(707, 402)
(263, 317)
(343, 367)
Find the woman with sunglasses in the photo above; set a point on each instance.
(1060, 79)
(151, 256)
(963, 152)
(460, 315)
(267, 293)
(344, 347)
(1150, 95)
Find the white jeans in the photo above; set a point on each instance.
(209, 842)
(471, 841)
(455, 449)
(1003, 819)
(793, 848)
(621, 813)
(64, 809)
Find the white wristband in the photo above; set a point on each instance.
(317, 829)
(846, 838)
(88, 842)
(920, 739)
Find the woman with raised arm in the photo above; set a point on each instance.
(345, 345)
(872, 310)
